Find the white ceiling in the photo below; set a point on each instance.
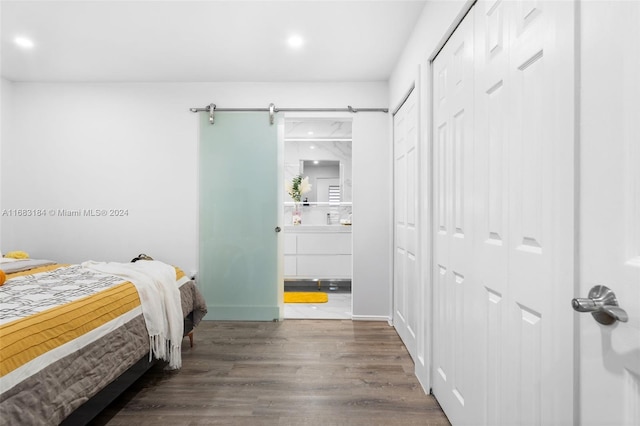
(197, 41)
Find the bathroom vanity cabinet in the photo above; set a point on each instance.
(317, 252)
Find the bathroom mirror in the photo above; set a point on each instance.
(326, 181)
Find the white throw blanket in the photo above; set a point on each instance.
(160, 300)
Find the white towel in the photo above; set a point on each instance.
(160, 300)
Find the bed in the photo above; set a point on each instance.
(72, 339)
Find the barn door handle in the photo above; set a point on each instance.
(602, 304)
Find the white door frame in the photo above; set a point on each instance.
(326, 116)
(608, 356)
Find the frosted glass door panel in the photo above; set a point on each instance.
(239, 201)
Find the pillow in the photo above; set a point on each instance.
(17, 255)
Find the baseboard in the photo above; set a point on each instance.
(370, 318)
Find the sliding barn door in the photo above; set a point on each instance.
(241, 257)
(503, 353)
(405, 265)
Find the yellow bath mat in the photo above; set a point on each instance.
(305, 297)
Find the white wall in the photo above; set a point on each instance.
(4, 100)
(134, 146)
(371, 230)
(435, 21)
(5, 109)
(83, 146)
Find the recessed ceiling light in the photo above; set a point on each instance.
(309, 132)
(315, 161)
(23, 42)
(295, 41)
(312, 147)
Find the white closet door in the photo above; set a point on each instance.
(406, 273)
(538, 356)
(491, 190)
(503, 269)
(455, 378)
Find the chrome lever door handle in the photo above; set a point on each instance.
(616, 312)
(584, 305)
(602, 304)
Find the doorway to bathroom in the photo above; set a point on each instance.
(317, 211)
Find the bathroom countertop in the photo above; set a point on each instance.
(317, 228)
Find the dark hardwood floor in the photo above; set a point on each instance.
(295, 372)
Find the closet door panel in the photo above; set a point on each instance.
(541, 209)
(491, 189)
(455, 288)
(406, 275)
